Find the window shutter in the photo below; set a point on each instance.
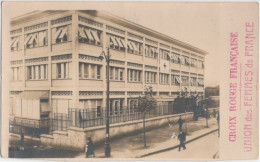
(54, 71)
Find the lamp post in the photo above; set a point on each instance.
(107, 143)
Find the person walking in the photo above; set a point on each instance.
(182, 139)
(180, 122)
(21, 141)
(89, 148)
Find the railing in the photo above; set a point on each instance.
(60, 122)
(84, 118)
(30, 127)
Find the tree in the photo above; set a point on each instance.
(145, 104)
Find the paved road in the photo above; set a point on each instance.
(203, 148)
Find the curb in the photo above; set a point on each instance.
(176, 146)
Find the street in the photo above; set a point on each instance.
(203, 148)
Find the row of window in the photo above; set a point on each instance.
(93, 71)
(93, 36)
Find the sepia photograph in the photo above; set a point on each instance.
(123, 80)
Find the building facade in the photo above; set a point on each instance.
(55, 63)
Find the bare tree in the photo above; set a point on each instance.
(145, 104)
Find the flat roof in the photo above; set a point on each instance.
(113, 18)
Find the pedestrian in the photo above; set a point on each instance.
(21, 141)
(180, 122)
(89, 148)
(182, 139)
(214, 113)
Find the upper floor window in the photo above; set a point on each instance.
(134, 75)
(200, 82)
(63, 70)
(151, 52)
(193, 62)
(193, 81)
(89, 71)
(175, 58)
(116, 42)
(185, 80)
(15, 43)
(37, 72)
(200, 64)
(176, 80)
(116, 73)
(187, 61)
(61, 34)
(164, 78)
(89, 35)
(134, 47)
(150, 77)
(164, 55)
(36, 39)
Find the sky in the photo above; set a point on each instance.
(195, 24)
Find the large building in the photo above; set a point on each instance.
(55, 64)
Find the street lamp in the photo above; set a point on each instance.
(107, 144)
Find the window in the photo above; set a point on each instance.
(133, 103)
(193, 62)
(176, 80)
(134, 47)
(63, 70)
(164, 55)
(89, 35)
(187, 61)
(37, 72)
(116, 73)
(200, 82)
(200, 64)
(17, 73)
(89, 71)
(175, 58)
(43, 38)
(116, 42)
(15, 42)
(61, 34)
(193, 81)
(164, 78)
(150, 77)
(151, 52)
(185, 80)
(134, 75)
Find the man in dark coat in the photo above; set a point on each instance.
(89, 148)
(182, 139)
(180, 122)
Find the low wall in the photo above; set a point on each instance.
(75, 138)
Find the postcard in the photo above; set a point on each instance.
(130, 80)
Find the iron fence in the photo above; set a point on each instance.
(60, 122)
(84, 118)
(30, 127)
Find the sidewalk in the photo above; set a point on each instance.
(157, 140)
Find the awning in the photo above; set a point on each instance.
(119, 42)
(58, 32)
(90, 37)
(178, 79)
(181, 59)
(34, 95)
(64, 31)
(42, 36)
(28, 39)
(188, 60)
(191, 80)
(45, 107)
(155, 50)
(129, 45)
(94, 33)
(113, 41)
(34, 36)
(123, 43)
(200, 82)
(168, 53)
(175, 57)
(14, 42)
(134, 46)
(82, 33)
